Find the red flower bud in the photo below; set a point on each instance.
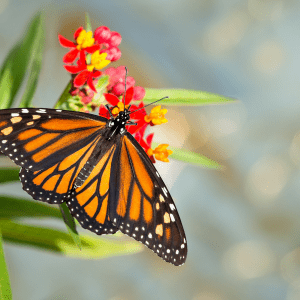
(113, 53)
(115, 39)
(102, 34)
(118, 89)
(139, 93)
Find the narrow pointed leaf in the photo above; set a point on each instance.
(88, 25)
(70, 223)
(13, 207)
(6, 86)
(181, 97)
(17, 63)
(5, 290)
(194, 158)
(61, 243)
(9, 174)
(37, 49)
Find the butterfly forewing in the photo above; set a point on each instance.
(38, 138)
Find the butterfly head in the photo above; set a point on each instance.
(123, 116)
(117, 124)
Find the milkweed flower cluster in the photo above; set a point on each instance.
(88, 55)
(93, 54)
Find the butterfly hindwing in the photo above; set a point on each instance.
(52, 185)
(142, 207)
(89, 199)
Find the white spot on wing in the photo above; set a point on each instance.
(14, 115)
(165, 191)
(172, 206)
(172, 218)
(24, 110)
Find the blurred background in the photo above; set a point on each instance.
(242, 223)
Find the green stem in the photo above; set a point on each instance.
(64, 96)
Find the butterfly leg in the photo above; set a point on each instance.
(107, 106)
(131, 123)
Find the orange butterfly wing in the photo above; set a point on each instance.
(108, 184)
(38, 138)
(125, 192)
(89, 202)
(142, 206)
(51, 146)
(51, 185)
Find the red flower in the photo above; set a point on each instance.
(146, 144)
(84, 42)
(88, 72)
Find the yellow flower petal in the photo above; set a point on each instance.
(81, 37)
(102, 64)
(102, 55)
(150, 152)
(157, 116)
(85, 39)
(115, 111)
(147, 119)
(98, 60)
(156, 109)
(90, 68)
(161, 152)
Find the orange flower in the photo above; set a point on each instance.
(160, 152)
(157, 116)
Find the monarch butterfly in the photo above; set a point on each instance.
(98, 168)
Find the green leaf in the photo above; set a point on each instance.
(182, 97)
(13, 207)
(5, 291)
(70, 223)
(101, 88)
(37, 49)
(88, 25)
(9, 174)
(6, 84)
(61, 242)
(194, 158)
(17, 63)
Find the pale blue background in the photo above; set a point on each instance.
(242, 224)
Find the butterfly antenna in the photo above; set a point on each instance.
(149, 104)
(125, 87)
